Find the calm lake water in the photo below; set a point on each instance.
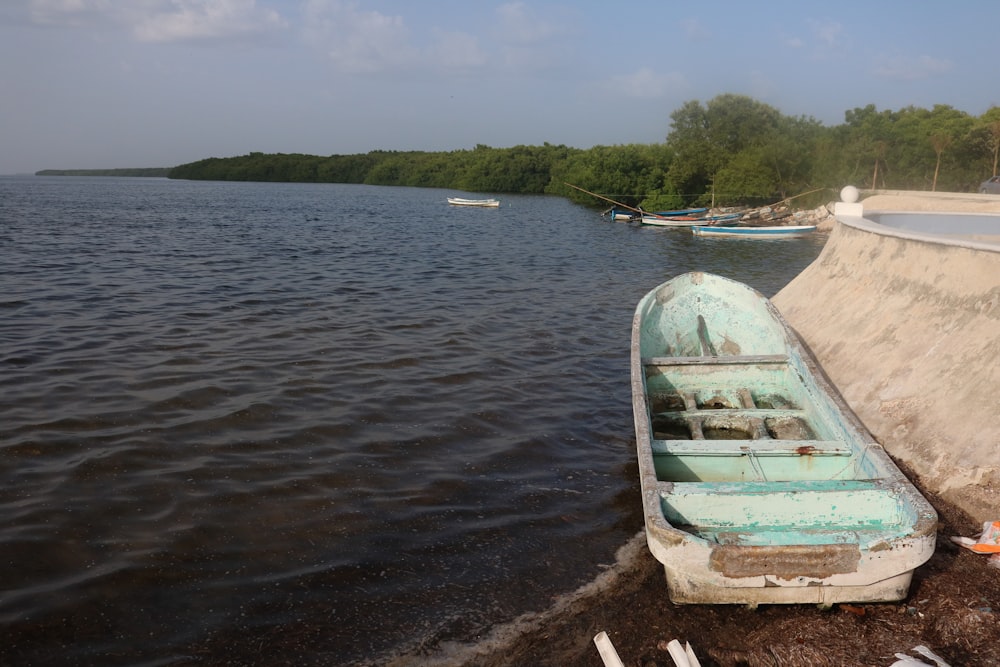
(313, 424)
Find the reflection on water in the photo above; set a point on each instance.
(254, 422)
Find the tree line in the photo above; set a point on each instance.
(142, 172)
(731, 150)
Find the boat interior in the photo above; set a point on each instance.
(744, 433)
(750, 426)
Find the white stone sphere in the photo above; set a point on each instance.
(849, 194)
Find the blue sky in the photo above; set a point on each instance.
(147, 83)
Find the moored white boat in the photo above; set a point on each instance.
(486, 203)
(759, 484)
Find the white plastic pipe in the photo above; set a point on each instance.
(678, 653)
(607, 650)
(692, 658)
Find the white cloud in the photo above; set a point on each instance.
(827, 38)
(647, 84)
(358, 41)
(912, 69)
(69, 12)
(827, 33)
(456, 50)
(518, 24)
(532, 44)
(161, 20)
(185, 20)
(694, 29)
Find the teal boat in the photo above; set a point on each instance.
(776, 232)
(759, 484)
(681, 211)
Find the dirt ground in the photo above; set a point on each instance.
(953, 609)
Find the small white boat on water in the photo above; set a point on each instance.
(483, 203)
(775, 232)
(759, 484)
(623, 215)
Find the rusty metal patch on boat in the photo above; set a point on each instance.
(785, 562)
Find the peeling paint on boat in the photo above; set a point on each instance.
(759, 484)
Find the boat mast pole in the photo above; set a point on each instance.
(801, 194)
(594, 194)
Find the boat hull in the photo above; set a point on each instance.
(482, 203)
(623, 216)
(759, 485)
(672, 220)
(776, 232)
(682, 212)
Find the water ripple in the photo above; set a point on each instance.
(250, 422)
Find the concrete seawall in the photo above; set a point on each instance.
(907, 326)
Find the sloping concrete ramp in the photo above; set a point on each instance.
(907, 326)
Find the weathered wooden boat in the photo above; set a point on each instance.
(658, 220)
(759, 484)
(681, 211)
(723, 217)
(488, 203)
(770, 232)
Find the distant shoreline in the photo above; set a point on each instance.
(155, 172)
